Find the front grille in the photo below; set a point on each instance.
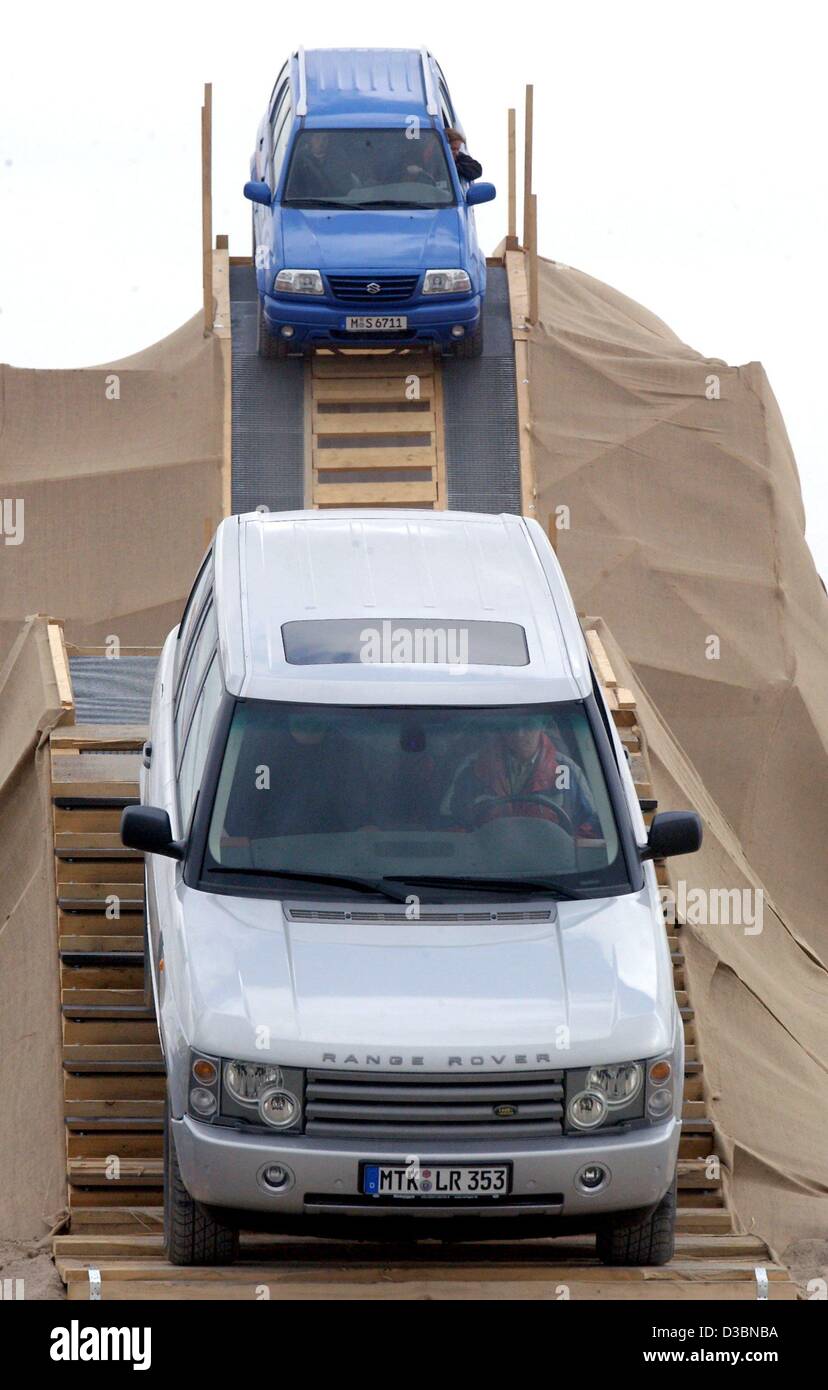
(354, 288)
(390, 1105)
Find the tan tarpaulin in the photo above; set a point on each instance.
(119, 470)
(685, 532)
(32, 1142)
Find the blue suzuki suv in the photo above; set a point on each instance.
(363, 229)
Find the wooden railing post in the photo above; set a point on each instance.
(512, 242)
(207, 205)
(527, 160)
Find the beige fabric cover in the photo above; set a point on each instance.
(686, 525)
(120, 496)
(32, 1135)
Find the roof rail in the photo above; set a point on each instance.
(431, 100)
(302, 103)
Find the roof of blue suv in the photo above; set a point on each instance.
(426, 568)
(364, 82)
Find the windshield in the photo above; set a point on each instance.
(398, 796)
(368, 168)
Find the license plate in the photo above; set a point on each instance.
(375, 323)
(436, 1180)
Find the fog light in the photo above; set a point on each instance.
(202, 1102)
(660, 1102)
(592, 1177)
(286, 330)
(275, 1177)
(278, 1108)
(457, 330)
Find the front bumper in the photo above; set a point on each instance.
(322, 324)
(220, 1167)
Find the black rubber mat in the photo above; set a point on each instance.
(112, 692)
(268, 413)
(480, 414)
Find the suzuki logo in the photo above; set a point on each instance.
(373, 288)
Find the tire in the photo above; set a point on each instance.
(648, 1242)
(192, 1235)
(266, 345)
(472, 345)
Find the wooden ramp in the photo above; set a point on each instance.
(374, 430)
(114, 1089)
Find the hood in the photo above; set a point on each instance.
(383, 240)
(595, 975)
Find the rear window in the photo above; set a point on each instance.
(403, 641)
(368, 169)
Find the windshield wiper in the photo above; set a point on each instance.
(496, 885)
(370, 885)
(318, 203)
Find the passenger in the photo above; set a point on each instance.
(467, 167)
(312, 174)
(523, 773)
(316, 783)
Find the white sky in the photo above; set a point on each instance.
(680, 156)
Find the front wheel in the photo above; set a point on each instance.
(192, 1235)
(648, 1242)
(266, 344)
(472, 344)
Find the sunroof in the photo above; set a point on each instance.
(403, 642)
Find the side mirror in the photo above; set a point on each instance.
(258, 192)
(480, 193)
(148, 828)
(673, 832)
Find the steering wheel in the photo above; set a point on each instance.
(562, 818)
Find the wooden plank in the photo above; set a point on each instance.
(534, 309)
(380, 456)
(102, 977)
(102, 736)
(79, 819)
(378, 494)
(378, 422)
(104, 1145)
(601, 661)
(440, 441)
(60, 668)
(108, 944)
(528, 135)
(90, 840)
(356, 365)
(131, 1088)
(87, 871)
(119, 1032)
(111, 1052)
(518, 289)
(383, 388)
(207, 206)
(132, 1172)
(511, 234)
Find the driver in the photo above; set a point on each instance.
(523, 773)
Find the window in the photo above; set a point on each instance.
(353, 168)
(415, 795)
(279, 145)
(192, 612)
(403, 641)
(198, 740)
(277, 87)
(202, 649)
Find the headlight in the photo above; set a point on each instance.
(446, 282)
(587, 1109)
(279, 1108)
(618, 1083)
(298, 282)
(245, 1081)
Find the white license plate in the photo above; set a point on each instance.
(375, 323)
(441, 1180)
